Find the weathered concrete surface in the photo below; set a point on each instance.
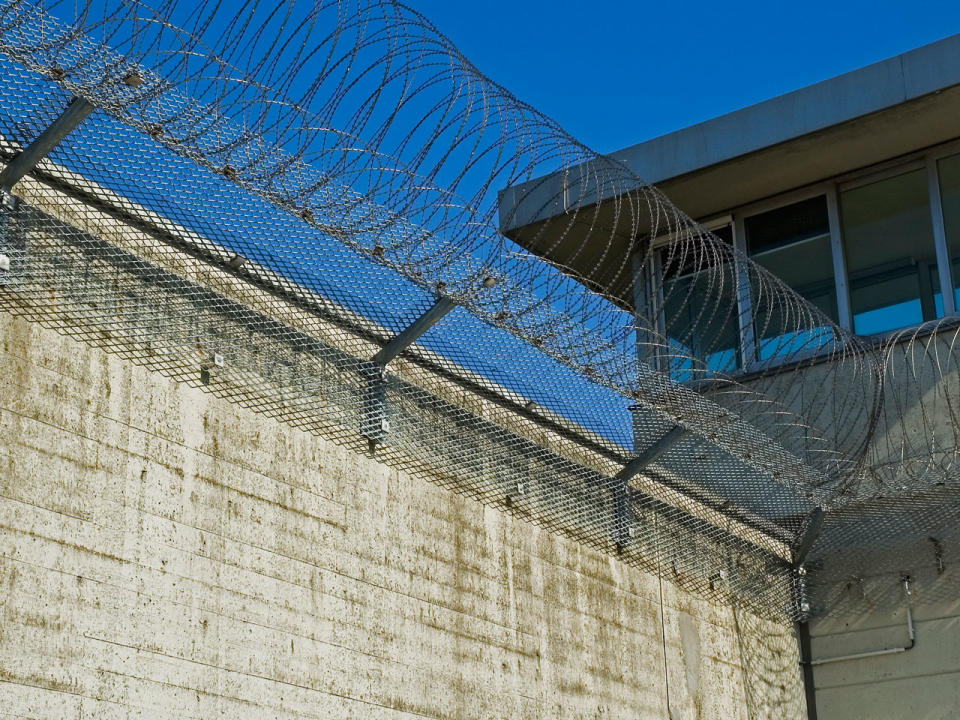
(164, 553)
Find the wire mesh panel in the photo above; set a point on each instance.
(267, 202)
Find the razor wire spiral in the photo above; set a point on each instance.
(306, 179)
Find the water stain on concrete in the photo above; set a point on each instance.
(690, 643)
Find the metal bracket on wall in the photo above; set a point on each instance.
(806, 538)
(937, 554)
(374, 423)
(622, 529)
(13, 250)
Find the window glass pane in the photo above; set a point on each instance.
(950, 196)
(700, 309)
(793, 243)
(891, 260)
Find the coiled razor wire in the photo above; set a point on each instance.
(266, 197)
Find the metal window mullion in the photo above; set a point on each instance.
(748, 341)
(842, 286)
(661, 357)
(927, 305)
(940, 238)
(642, 295)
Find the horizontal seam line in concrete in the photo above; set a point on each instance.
(61, 691)
(131, 453)
(266, 678)
(199, 451)
(171, 441)
(279, 631)
(898, 679)
(566, 569)
(320, 568)
(358, 581)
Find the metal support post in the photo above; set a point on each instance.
(374, 424)
(30, 156)
(13, 250)
(418, 327)
(620, 482)
(808, 536)
(809, 688)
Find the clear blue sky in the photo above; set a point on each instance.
(616, 72)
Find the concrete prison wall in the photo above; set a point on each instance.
(166, 553)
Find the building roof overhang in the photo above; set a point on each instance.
(882, 111)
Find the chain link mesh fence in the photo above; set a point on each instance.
(324, 212)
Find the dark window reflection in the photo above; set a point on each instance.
(891, 260)
(793, 243)
(950, 196)
(700, 307)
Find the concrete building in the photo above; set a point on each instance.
(218, 502)
(169, 553)
(849, 191)
(193, 523)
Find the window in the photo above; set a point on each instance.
(700, 307)
(891, 259)
(870, 257)
(949, 171)
(793, 243)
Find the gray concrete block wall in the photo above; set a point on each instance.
(164, 553)
(921, 684)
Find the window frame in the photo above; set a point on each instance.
(944, 266)
(648, 290)
(892, 169)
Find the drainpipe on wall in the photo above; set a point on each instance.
(911, 635)
(807, 662)
(809, 691)
(806, 657)
(808, 537)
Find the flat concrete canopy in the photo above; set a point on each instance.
(891, 108)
